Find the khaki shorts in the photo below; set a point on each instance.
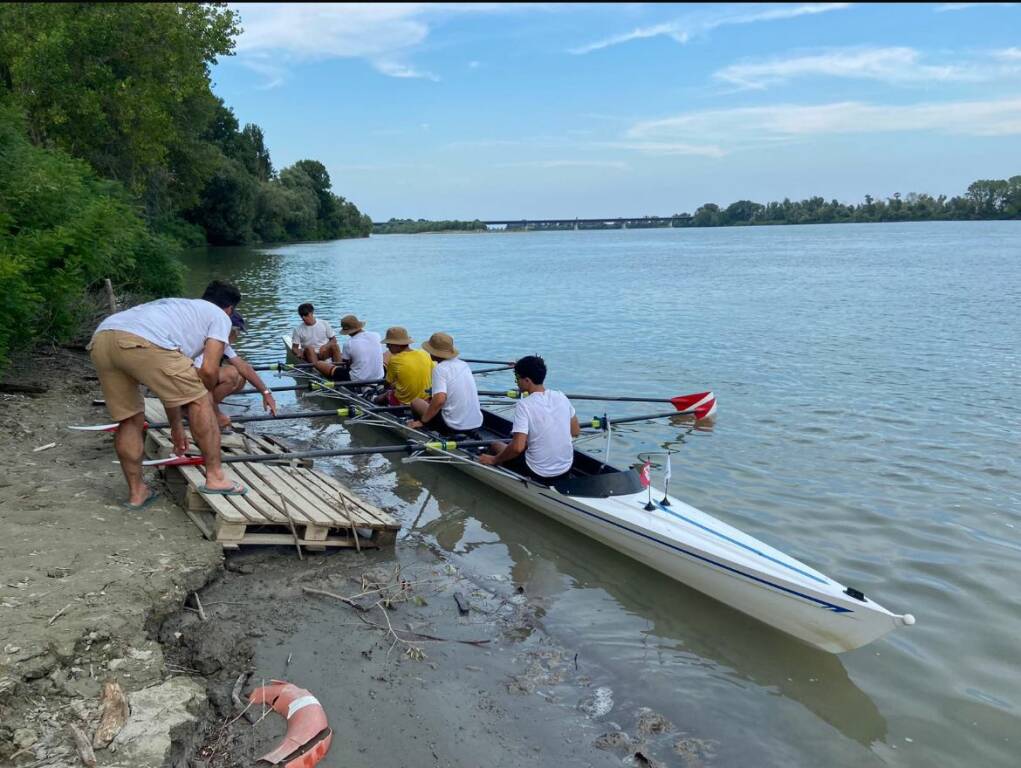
(124, 360)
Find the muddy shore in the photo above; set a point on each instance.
(91, 592)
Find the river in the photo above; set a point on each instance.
(869, 389)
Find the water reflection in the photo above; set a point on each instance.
(550, 560)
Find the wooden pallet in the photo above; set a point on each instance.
(287, 501)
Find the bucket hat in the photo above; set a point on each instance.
(350, 324)
(397, 335)
(440, 345)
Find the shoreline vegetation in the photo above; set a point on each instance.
(984, 200)
(115, 155)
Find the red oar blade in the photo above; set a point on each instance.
(175, 461)
(702, 404)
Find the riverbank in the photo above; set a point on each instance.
(82, 580)
(92, 593)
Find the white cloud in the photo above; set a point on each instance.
(386, 35)
(1008, 54)
(395, 69)
(683, 29)
(616, 164)
(944, 7)
(665, 148)
(752, 126)
(890, 65)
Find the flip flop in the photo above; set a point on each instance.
(153, 495)
(236, 489)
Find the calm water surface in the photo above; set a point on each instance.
(869, 389)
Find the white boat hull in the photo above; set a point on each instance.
(701, 552)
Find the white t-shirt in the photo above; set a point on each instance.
(182, 324)
(461, 409)
(546, 418)
(314, 336)
(228, 352)
(365, 353)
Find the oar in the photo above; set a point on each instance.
(341, 412)
(602, 422)
(410, 447)
(327, 384)
(284, 367)
(701, 404)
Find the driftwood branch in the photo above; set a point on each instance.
(324, 593)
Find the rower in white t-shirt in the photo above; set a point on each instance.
(362, 352)
(314, 340)
(544, 425)
(454, 405)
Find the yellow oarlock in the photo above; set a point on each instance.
(323, 385)
(350, 411)
(441, 445)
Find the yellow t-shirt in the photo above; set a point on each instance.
(410, 372)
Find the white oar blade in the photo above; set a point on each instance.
(95, 427)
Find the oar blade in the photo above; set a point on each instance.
(175, 461)
(94, 427)
(702, 404)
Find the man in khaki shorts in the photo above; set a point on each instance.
(154, 344)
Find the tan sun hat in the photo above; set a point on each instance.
(350, 323)
(398, 336)
(440, 345)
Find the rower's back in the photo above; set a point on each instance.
(461, 410)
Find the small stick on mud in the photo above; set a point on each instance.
(419, 635)
(58, 614)
(81, 745)
(352, 603)
(290, 522)
(235, 696)
(198, 604)
(288, 662)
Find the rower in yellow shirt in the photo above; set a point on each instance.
(408, 371)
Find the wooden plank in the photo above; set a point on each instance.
(370, 511)
(295, 484)
(288, 540)
(333, 488)
(204, 521)
(229, 531)
(233, 509)
(266, 503)
(309, 508)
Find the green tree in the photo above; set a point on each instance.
(62, 231)
(117, 84)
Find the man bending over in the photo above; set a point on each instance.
(155, 344)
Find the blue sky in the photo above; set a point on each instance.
(553, 110)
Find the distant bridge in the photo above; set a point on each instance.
(608, 223)
(644, 221)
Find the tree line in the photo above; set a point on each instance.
(115, 153)
(984, 199)
(419, 226)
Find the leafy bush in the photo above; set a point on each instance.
(62, 231)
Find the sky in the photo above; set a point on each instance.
(503, 110)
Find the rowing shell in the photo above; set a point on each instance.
(692, 547)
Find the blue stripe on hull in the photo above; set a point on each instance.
(734, 541)
(823, 603)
